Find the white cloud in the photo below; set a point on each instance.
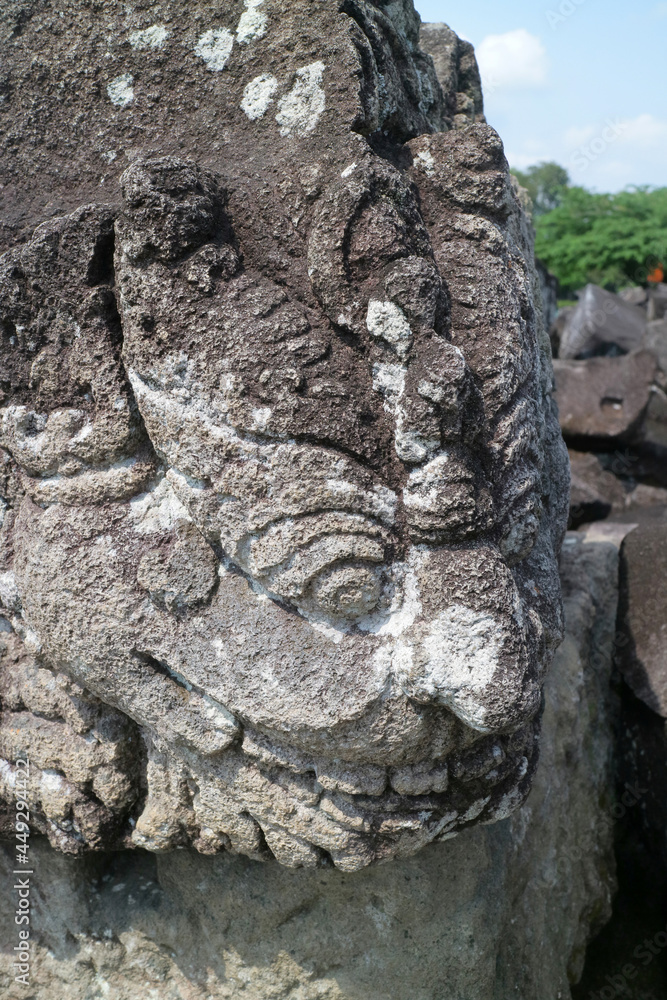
(578, 136)
(521, 161)
(616, 152)
(514, 60)
(646, 130)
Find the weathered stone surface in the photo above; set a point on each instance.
(657, 302)
(655, 340)
(86, 757)
(456, 66)
(605, 399)
(595, 491)
(643, 607)
(286, 489)
(501, 911)
(646, 496)
(549, 292)
(557, 327)
(637, 296)
(602, 324)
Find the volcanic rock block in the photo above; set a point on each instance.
(502, 911)
(601, 324)
(458, 73)
(291, 483)
(655, 341)
(657, 302)
(595, 492)
(549, 292)
(643, 608)
(605, 399)
(635, 296)
(557, 327)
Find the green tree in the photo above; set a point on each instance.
(611, 240)
(546, 184)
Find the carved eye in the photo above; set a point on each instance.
(347, 591)
(330, 563)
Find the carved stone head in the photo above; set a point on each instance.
(284, 482)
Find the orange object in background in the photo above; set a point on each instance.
(657, 276)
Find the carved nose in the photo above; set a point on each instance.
(460, 660)
(417, 436)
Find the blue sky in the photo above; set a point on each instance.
(582, 82)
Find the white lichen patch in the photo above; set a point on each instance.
(475, 810)
(149, 38)
(157, 511)
(215, 47)
(300, 110)
(424, 159)
(410, 444)
(424, 487)
(10, 598)
(406, 606)
(252, 25)
(260, 418)
(121, 91)
(349, 170)
(258, 95)
(389, 381)
(455, 663)
(387, 322)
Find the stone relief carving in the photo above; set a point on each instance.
(283, 476)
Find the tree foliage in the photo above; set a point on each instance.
(546, 184)
(613, 240)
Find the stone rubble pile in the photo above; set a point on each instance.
(611, 377)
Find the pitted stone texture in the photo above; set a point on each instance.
(504, 910)
(304, 531)
(456, 66)
(642, 656)
(103, 100)
(85, 758)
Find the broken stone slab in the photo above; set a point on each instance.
(643, 607)
(604, 399)
(643, 495)
(657, 302)
(637, 296)
(503, 910)
(595, 491)
(655, 341)
(557, 327)
(549, 290)
(602, 324)
(652, 434)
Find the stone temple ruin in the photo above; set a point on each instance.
(283, 511)
(286, 488)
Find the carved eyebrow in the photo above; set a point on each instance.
(281, 541)
(292, 580)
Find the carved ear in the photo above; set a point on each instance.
(364, 222)
(67, 414)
